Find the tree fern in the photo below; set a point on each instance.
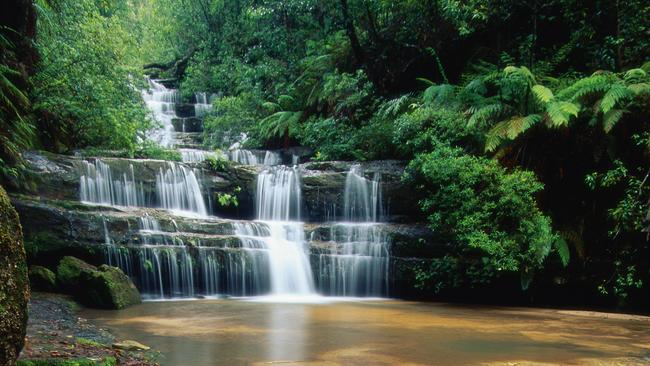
(559, 113)
(616, 94)
(509, 129)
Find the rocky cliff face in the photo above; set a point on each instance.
(14, 284)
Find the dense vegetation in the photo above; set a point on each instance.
(525, 123)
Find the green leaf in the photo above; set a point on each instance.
(542, 93)
(562, 249)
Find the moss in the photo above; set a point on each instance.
(104, 287)
(108, 361)
(69, 272)
(89, 342)
(109, 287)
(41, 278)
(14, 283)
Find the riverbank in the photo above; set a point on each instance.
(56, 335)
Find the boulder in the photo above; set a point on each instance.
(41, 278)
(110, 288)
(69, 273)
(102, 287)
(14, 283)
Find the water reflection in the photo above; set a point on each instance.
(232, 332)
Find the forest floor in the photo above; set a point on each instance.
(56, 335)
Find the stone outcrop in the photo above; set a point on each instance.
(14, 283)
(103, 287)
(42, 279)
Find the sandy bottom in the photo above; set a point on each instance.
(233, 332)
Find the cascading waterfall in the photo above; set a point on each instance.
(194, 156)
(178, 190)
(358, 262)
(161, 102)
(97, 185)
(362, 199)
(281, 240)
(202, 106)
(248, 157)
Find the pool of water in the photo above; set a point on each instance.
(386, 332)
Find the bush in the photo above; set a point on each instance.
(483, 211)
(233, 116)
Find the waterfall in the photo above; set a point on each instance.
(178, 189)
(280, 240)
(194, 156)
(97, 185)
(362, 198)
(203, 105)
(278, 194)
(249, 157)
(358, 261)
(161, 102)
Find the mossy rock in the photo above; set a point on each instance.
(108, 287)
(41, 278)
(14, 283)
(68, 273)
(101, 287)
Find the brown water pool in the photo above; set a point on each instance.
(234, 332)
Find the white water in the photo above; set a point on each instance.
(249, 157)
(203, 105)
(161, 102)
(97, 185)
(178, 190)
(278, 201)
(358, 262)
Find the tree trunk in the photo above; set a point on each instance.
(352, 33)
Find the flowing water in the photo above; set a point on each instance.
(271, 256)
(230, 332)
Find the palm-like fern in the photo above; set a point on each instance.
(284, 120)
(16, 132)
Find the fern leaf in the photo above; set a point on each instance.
(562, 249)
(639, 88)
(559, 113)
(634, 74)
(614, 96)
(542, 93)
(611, 118)
(490, 111)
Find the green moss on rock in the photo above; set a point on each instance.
(41, 278)
(69, 271)
(109, 287)
(14, 283)
(103, 287)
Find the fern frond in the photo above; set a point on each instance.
(485, 113)
(634, 74)
(614, 96)
(639, 88)
(611, 118)
(426, 81)
(542, 93)
(509, 129)
(559, 113)
(439, 94)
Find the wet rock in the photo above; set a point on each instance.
(129, 345)
(41, 278)
(14, 283)
(190, 124)
(103, 287)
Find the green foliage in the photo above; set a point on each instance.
(484, 211)
(232, 117)
(218, 163)
(229, 199)
(149, 150)
(84, 92)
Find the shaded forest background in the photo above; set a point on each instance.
(525, 123)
